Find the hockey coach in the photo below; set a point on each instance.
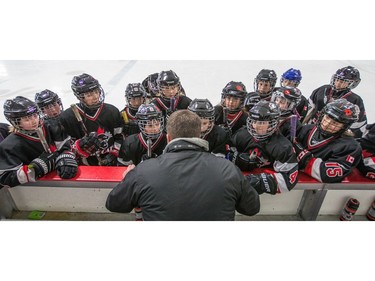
(185, 183)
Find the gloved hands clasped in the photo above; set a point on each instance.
(88, 145)
(245, 161)
(146, 157)
(43, 164)
(303, 155)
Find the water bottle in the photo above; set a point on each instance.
(349, 209)
(371, 212)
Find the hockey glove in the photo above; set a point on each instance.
(227, 129)
(303, 155)
(44, 164)
(88, 145)
(263, 183)
(66, 165)
(245, 163)
(130, 128)
(111, 158)
(146, 157)
(232, 155)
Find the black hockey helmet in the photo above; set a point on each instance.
(15, 109)
(342, 111)
(85, 83)
(263, 111)
(167, 78)
(291, 95)
(150, 84)
(204, 109)
(251, 99)
(265, 75)
(348, 74)
(134, 90)
(293, 75)
(145, 115)
(47, 98)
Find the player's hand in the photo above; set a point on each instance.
(43, 164)
(66, 165)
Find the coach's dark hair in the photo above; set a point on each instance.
(184, 124)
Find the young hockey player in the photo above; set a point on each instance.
(150, 86)
(325, 151)
(261, 145)
(287, 98)
(171, 98)
(95, 126)
(264, 83)
(229, 113)
(367, 164)
(292, 78)
(135, 95)
(342, 83)
(26, 155)
(216, 136)
(150, 142)
(251, 99)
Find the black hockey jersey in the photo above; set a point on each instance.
(135, 146)
(106, 121)
(277, 152)
(218, 140)
(325, 94)
(168, 106)
(367, 164)
(235, 121)
(333, 158)
(18, 150)
(4, 131)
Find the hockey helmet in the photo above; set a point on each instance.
(293, 75)
(347, 74)
(46, 99)
(85, 83)
(147, 114)
(289, 95)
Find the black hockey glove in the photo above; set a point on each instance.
(303, 155)
(66, 165)
(88, 145)
(227, 129)
(44, 164)
(130, 128)
(111, 158)
(263, 183)
(146, 157)
(246, 163)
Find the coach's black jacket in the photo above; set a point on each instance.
(185, 183)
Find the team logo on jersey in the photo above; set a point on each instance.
(350, 159)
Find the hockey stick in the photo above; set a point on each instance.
(39, 132)
(293, 127)
(172, 105)
(308, 116)
(125, 117)
(225, 116)
(149, 151)
(83, 127)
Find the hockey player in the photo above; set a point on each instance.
(4, 131)
(229, 113)
(171, 98)
(264, 83)
(367, 164)
(326, 151)
(260, 145)
(342, 83)
(98, 137)
(24, 156)
(292, 78)
(150, 142)
(135, 95)
(287, 99)
(51, 108)
(216, 136)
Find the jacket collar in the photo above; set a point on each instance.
(186, 144)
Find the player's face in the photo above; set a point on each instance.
(52, 110)
(205, 124)
(264, 87)
(30, 122)
(341, 84)
(92, 98)
(232, 103)
(136, 102)
(330, 126)
(260, 127)
(170, 91)
(282, 103)
(152, 126)
(288, 83)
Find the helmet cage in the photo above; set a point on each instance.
(147, 114)
(47, 100)
(135, 90)
(292, 97)
(84, 84)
